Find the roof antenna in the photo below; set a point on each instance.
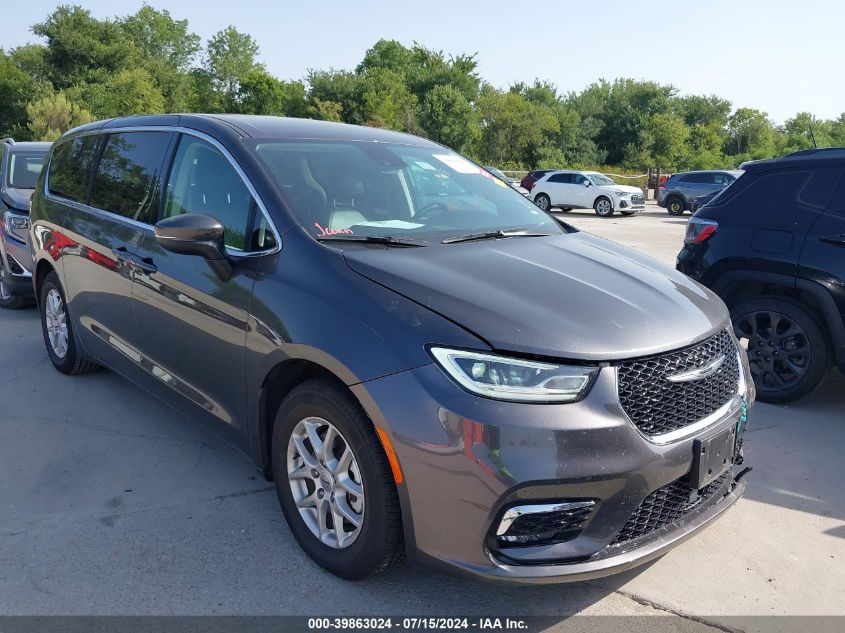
(812, 136)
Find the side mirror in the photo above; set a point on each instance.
(587, 182)
(196, 234)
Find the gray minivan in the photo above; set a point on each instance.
(421, 359)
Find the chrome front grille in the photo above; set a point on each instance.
(657, 405)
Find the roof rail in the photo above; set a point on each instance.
(8, 140)
(816, 150)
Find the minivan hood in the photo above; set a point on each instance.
(17, 198)
(572, 296)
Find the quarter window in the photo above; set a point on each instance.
(70, 167)
(202, 180)
(127, 175)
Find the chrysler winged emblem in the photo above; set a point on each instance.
(699, 373)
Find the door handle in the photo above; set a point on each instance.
(838, 240)
(144, 265)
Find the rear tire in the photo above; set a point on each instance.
(675, 206)
(787, 348)
(58, 330)
(543, 201)
(603, 207)
(321, 405)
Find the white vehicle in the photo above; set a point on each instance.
(585, 190)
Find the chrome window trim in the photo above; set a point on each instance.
(178, 130)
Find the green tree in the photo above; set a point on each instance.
(750, 134)
(51, 116)
(231, 57)
(448, 118)
(127, 92)
(82, 49)
(165, 48)
(339, 87)
(261, 93)
(386, 101)
(512, 128)
(17, 88)
(802, 129)
(667, 135)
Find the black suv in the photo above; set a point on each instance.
(772, 245)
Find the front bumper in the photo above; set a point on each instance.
(465, 459)
(17, 262)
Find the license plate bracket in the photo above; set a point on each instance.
(712, 456)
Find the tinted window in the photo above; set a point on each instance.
(24, 169)
(772, 196)
(819, 187)
(70, 167)
(561, 178)
(127, 174)
(203, 181)
(837, 200)
(721, 179)
(698, 178)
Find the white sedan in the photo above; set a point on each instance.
(586, 190)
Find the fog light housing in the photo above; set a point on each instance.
(543, 523)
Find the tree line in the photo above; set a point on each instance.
(151, 62)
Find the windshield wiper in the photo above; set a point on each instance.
(387, 240)
(492, 235)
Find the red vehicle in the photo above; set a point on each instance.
(533, 176)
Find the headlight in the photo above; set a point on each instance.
(15, 226)
(515, 379)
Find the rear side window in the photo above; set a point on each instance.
(698, 179)
(70, 167)
(773, 196)
(127, 174)
(819, 187)
(561, 178)
(837, 200)
(721, 179)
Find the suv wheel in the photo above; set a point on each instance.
(675, 206)
(58, 332)
(334, 482)
(543, 201)
(787, 348)
(603, 207)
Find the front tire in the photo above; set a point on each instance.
(58, 330)
(543, 201)
(787, 348)
(334, 482)
(8, 301)
(675, 206)
(603, 207)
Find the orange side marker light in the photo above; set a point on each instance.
(391, 455)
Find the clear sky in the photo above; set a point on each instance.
(780, 56)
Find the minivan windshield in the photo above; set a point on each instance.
(359, 188)
(24, 168)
